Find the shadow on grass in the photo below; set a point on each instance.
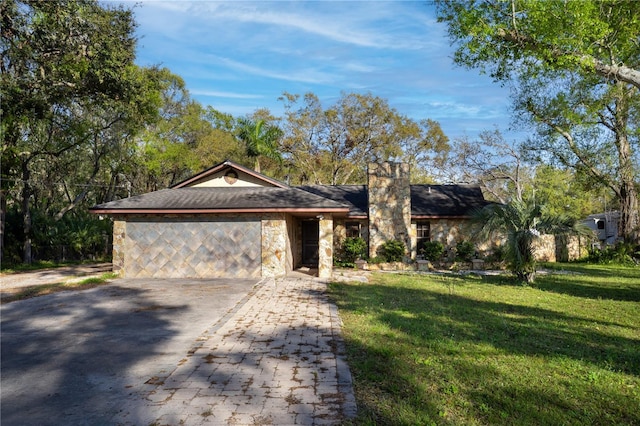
(588, 289)
(450, 324)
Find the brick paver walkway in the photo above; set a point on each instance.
(276, 359)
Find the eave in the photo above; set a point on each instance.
(221, 211)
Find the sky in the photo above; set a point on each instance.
(239, 56)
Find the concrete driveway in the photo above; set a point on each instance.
(76, 357)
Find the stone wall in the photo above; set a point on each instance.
(570, 248)
(119, 235)
(276, 256)
(325, 243)
(389, 204)
(447, 231)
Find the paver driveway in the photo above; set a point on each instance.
(174, 352)
(74, 357)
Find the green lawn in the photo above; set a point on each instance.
(472, 350)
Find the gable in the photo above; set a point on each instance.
(229, 175)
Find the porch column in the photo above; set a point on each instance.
(325, 245)
(275, 246)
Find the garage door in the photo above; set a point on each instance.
(193, 249)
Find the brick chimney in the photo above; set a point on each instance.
(389, 204)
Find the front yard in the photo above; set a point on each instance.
(426, 349)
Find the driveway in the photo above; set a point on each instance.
(76, 357)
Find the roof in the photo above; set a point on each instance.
(223, 200)
(427, 201)
(446, 200)
(355, 196)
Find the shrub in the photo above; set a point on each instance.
(465, 251)
(392, 251)
(621, 253)
(353, 248)
(432, 250)
(497, 255)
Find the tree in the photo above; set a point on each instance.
(67, 75)
(181, 142)
(498, 166)
(562, 193)
(334, 145)
(575, 68)
(260, 139)
(521, 222)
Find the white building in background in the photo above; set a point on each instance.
(605, 226)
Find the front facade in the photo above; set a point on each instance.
(230, 221)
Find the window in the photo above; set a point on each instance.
(423, 234)
(600, 224)
(352, 229)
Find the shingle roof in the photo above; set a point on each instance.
(446, 200)
(426, 200)
(210, 198)
(355, 196)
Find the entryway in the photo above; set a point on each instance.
(310, 243)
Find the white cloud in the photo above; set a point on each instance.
(304, 75)
(228, 95)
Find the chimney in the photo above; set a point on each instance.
(389, 204)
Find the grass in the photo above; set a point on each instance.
(38, 265)
(452, 350)
(44, 289)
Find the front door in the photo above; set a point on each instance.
(310, 246)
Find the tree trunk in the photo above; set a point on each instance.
(3, 209)
(629, 225)
(26, 212)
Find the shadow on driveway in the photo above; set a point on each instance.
(80, 357)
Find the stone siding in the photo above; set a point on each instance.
(340, 232)
(119, 234)
(192, 247)
(203, 245)
(447, 231)
(325, 253)
(276, 256)
(389, 205)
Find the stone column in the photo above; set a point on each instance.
(119, 237)
(325, 245)
(274, 246)
(389, 205)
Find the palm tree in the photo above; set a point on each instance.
(260, 139)
(521, 222)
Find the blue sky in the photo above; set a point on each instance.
(239, 56)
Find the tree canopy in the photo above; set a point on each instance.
(70, 90)
(574, 66)
(332, 145)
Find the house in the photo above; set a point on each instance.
(230, 221)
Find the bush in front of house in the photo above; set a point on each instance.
(432, 250)
(354, 248)
(465, 251)
(392, 251)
